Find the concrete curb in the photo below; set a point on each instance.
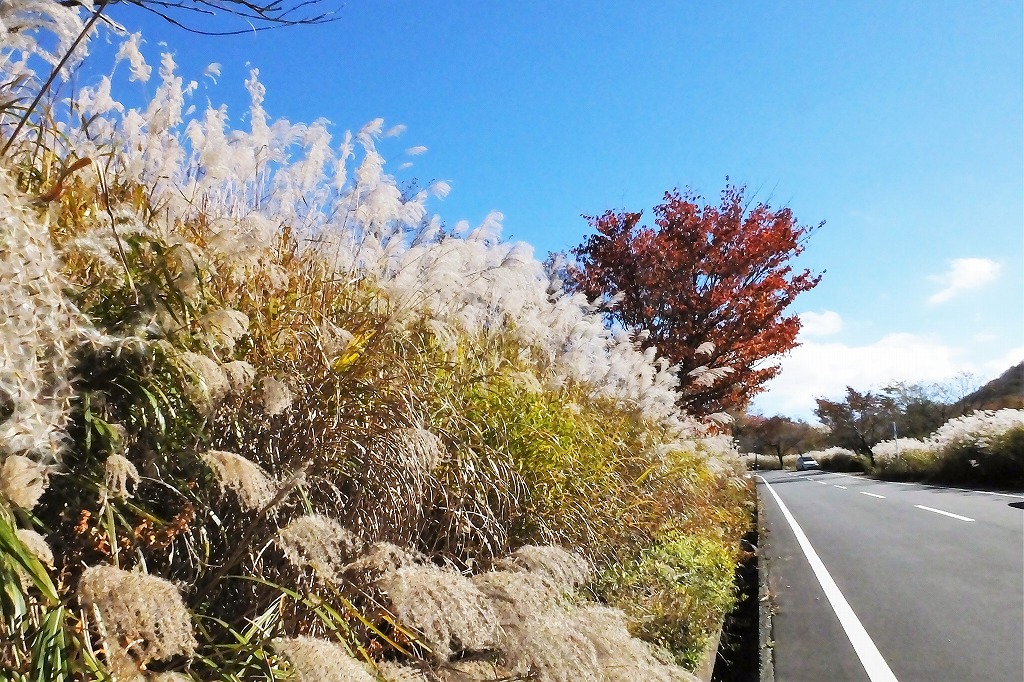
(707, 668)
(765, 643)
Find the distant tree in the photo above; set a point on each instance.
(707, 285)
(919, 409)
(1005, 391)
(860, 421)
(776, 436)
(963, 384)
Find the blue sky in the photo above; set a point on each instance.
(900, 124)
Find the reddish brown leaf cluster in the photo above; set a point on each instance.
(704, 273)
(160, 538)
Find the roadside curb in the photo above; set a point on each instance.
(707, 669)
(765, 644)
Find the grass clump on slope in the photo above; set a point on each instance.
(266, 383)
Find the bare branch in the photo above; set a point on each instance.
(191, 15)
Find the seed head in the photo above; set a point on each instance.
(319, 542)
(141, 617)
(117, 471)
(277, 397)
(251, 484)
(23, 481)
(444, 605)
(317, 660)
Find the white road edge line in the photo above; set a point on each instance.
(874, 665)
(944, 513)
(881, 497)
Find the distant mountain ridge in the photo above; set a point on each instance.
(1006, 390)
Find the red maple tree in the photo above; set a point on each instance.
(707, 286)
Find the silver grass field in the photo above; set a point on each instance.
(262, 417)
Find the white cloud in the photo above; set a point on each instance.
(820, 369)
(964, 274)
(825, 323)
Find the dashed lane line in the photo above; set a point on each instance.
(944, 513)
(926, 485)
(874, 665)
(840, 486)
(881, 497)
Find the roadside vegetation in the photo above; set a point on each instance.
(983, 448)
(264, 416)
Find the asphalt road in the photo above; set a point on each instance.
(888, 581)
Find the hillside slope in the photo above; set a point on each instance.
(1006, 390)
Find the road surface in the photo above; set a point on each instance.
(883, 582)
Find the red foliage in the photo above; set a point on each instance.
(718, 274)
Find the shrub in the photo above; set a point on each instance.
(982, 448)
(675, 593)
(769, 462)
(760, 462)
(996, 459)
(839, 459)
(908, 460)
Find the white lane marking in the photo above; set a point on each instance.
(840, 486)
(881, 497)
(874, 665)
(927, 485)
(821, 482)
(944, 513)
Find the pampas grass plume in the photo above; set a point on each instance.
(396, 672)
(277, 397)
(566, 569)
(240, 375)
(209, 384)
(450, 611)
(317, 660)
(36, 544)
(319, 542)
(117, 471)
(224, 327)
(251, 484)
(139, 609)
(23, 481)
(420, 449)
